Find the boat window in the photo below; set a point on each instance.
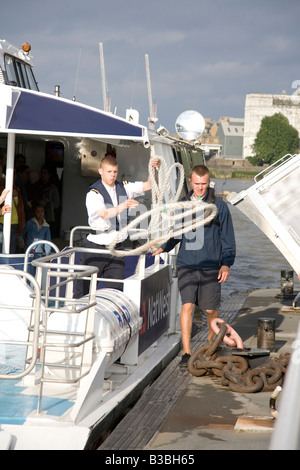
(19, 73)
(10, 70)
(21, 80)
(31, 79)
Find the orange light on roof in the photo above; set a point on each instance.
(26, 47)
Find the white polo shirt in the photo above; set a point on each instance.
(94, 202)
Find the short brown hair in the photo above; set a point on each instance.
(200, 170)
(109, 160)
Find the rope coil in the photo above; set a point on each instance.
(167, 219)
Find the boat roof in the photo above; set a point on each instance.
(25, 111)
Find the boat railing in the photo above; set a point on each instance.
(273, 166)
(49, 349)
(35, 314)
(33, 245)
(56, 355)
(67, 354)
(141, 265)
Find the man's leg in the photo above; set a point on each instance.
(89, 259)
(186, 320)
(211, 315)
(114, 269)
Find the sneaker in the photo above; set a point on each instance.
(184, 360)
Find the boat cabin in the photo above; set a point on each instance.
(16, 67)
(72, 138)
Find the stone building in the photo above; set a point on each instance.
(257, 106)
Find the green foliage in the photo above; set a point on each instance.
(275, 138)
(243, 174)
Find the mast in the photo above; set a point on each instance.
(152, 107)
(106, 99)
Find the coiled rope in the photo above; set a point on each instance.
(167, 219)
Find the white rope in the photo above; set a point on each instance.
(167, 220)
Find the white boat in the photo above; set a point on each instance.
(69, 368)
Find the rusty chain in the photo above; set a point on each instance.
(234, 370)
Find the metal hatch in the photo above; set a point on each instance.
(273, 204)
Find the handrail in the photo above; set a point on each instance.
(37, 304)
(269, 169)
(33, 244)
(74, 229)
(49, 346)
(36, 309)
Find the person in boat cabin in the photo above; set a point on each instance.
(5, 208)
(18, 220)
(205, 264)
(108, 203)
(37, 229)
(50, 197)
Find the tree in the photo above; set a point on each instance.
(275, 138)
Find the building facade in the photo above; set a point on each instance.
(231, 132)
(257, 106)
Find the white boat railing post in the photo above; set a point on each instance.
(9, 181)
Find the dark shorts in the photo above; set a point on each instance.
(199, 287)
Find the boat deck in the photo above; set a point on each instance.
(182, 412)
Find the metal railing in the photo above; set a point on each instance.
(35, 313)
(45, 302)
(53, 343)
(269, 169)
(69, 355)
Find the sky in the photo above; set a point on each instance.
(204, 55)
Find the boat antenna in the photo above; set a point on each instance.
(152, 107)
(106, 98)
(76, 79)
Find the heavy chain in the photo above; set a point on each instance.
(234, 370)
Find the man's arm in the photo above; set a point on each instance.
(114, 211)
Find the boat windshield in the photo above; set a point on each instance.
(19, 73)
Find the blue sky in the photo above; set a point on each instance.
(203, 55)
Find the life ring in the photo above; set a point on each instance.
(231, 337)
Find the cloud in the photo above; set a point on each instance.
(228, 69)
(203, 55)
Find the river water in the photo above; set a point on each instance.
(258, 262)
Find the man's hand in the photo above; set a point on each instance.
(157, 252)
(5, 209)
(223, 274)
(155, 162)
(3, 195)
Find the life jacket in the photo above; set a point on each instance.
(99, 187)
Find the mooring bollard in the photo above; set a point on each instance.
(287, 281)
(266, 333)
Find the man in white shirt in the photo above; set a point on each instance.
(108, 202)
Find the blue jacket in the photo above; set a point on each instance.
(213, 247)
(32, 233)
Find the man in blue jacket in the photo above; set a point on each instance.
(203, 265)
